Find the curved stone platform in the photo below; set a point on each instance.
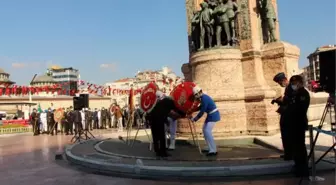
(109, 157)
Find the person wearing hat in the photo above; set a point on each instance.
(207, 106)
(157, 118)
(283, 102)
(297, 110)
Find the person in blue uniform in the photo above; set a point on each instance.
(285, 125)
(207, 106)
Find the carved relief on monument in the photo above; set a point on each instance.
(214, 24)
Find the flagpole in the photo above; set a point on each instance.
(30, 94)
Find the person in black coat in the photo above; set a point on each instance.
(95, 119)
(157, 118)
(297, 110)
(283, 102)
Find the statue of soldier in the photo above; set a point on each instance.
(232, 10)
(195, 30)
(268, 17)
(221, 12)
(206, 22)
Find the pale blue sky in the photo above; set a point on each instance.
(129, 35)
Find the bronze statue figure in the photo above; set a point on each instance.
(222, 22)
(211, 3)
(232, 10)
(206, 25)
(268, 17)
(195, 30)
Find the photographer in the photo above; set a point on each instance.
(283, 102)
(297, 110)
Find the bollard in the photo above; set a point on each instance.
(311, 136)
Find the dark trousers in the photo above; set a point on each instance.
(286, 138)
(78, 127)
(52, 127)
(103, 123)
(299, 149)
(68, 128)
(88, 124)
(95, 124)
(36, 127)
(158, 134)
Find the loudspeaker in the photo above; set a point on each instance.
(327, 70)
(85, 98)
(78, 103)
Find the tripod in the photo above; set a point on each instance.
(82, 135)
(328, 109)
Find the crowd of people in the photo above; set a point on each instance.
(88, 119)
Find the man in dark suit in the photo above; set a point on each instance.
(95, 119)
(157, 119)
(34, 121)
(77, 121)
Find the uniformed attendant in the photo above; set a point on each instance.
(157, 118)
(86, 115)
(297, 110)
(95, 119)
(207, 106)
(283, 101)
(35, 122)
(68, 122)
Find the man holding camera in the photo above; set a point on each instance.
(297, 110)
(283, 102)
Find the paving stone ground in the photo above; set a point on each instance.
(29, 160)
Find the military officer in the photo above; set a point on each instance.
(283, 102)
(297, 109)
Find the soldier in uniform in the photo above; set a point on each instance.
(297, 109)
(283, 102)
(35, 122)
(68, 122)
(95, 119)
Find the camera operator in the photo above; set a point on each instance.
(297, 110)
(283, 101)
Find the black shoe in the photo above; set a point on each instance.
(165, 154)
(205, 151)
(211, 154)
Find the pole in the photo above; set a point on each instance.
(30, 94)
(312, 159)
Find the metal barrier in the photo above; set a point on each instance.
(313, 163)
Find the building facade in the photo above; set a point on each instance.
(67, 77)
(164, 78)
(314, 61)
(4, 79)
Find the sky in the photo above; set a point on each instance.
(112, 39)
